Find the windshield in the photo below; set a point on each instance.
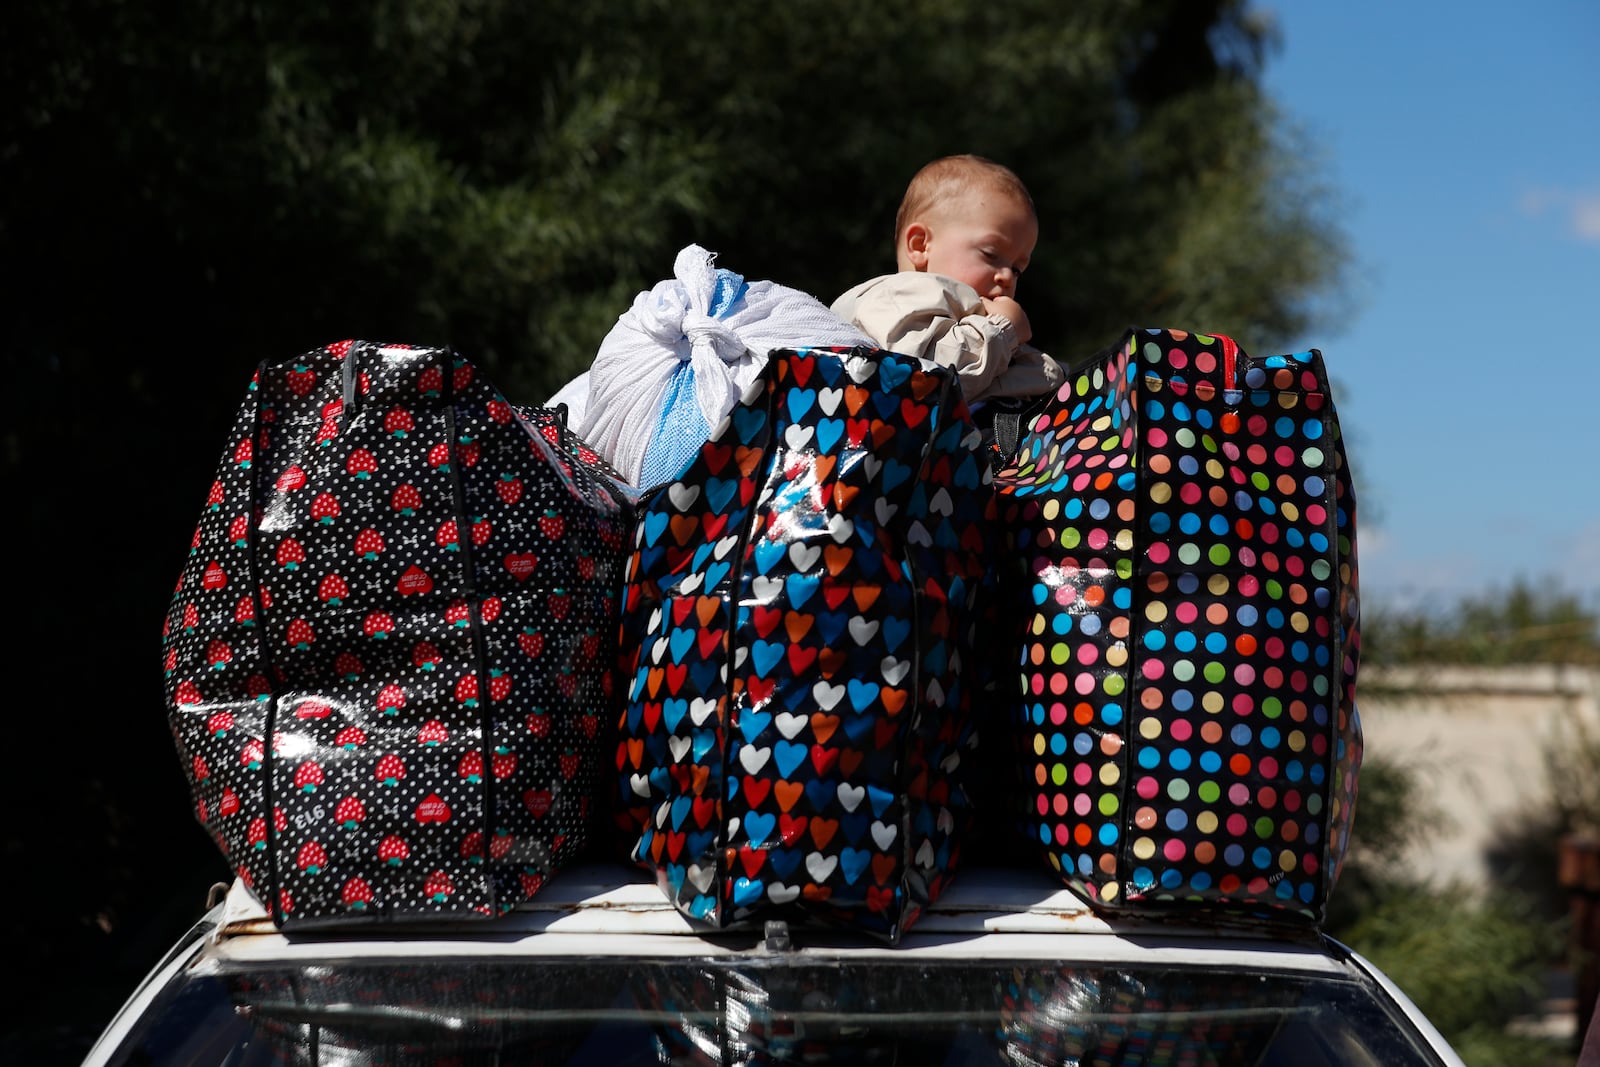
(770, 1010)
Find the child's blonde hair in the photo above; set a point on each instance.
(951, 178)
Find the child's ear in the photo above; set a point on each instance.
(914, 245)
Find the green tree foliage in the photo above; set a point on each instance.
(1521, 623)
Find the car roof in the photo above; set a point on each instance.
(602, 909)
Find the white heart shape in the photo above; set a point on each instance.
(851, 795)
(804, 556)
(765, 589)
(680, 747)
(701, 709)
(918, 535)
(701, 877)
(840, 528)
(883, 835)
(827, 695)
(790, 724)
(752, 759)
(779, 893)
(862, 629)
(828, 400)
(894, 670)
(884, 510)
(819, 866)
(798, 437)
(682, 495)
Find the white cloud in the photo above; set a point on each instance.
(1579, 210)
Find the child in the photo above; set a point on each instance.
(964, 234)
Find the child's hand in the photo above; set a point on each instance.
(1011, 310)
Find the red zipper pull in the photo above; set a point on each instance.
(1230, 354)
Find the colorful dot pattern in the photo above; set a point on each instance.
(1185, 728)
(387, 658)
(798, 622)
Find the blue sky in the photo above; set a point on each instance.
(1463, 141)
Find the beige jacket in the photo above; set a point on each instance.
(941, 319)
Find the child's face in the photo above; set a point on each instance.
(985, 240)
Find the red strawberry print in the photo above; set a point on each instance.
(552, 524)
(308, 776)
(472, 847)
(191, 618)
(350, 813)
(378, 625)
(469, 450)
(482, 529)
(504, 763)
(351, 738)
(242, 455)
(369, 543)
(361, 463)
(324, 509)
(500, 844)
(500, 411)
(467, 690)
(348, 666)
(391, 768)
(398, 422)
(471, 766)
(199, 769)
(214, 500)
(432, 733)
(391, 698)
(357, 894)
(560, 603)
(302, 379)
(439, 457)
(590, 723)
(509, 488)
(300, 635)
(567, 682)
(327, 431)
(531, 883)
(489, 610)
(169, 660)
(244, 612)
(499, 684)
(439, 887)
(458, 614)
(448, 537)
(219, 724)
(431, 382)
(393, 850)
(461, 375)
(256, 836)
(569, 761)
(539, 723)
(424, 656)
(311, 858)
(332, 590)
(406, 499)
(585, 564)
(531, 642)
(290, 555)
(229, 804)
(239, 530)
(589, 644)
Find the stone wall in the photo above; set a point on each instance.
(1478, 738)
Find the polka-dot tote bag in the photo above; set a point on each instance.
(1182, 729)
(387, 658)
(799, 622)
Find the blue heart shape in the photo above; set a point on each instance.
(716, 573)
(719, 491)
(858, 727)
(887, 405)
(820, 793)
(704, 742)
(655, 524)
(800, 588)
(701, 907)
(800, 401)
(679, 643)
(934, 659)
(853, 861)
(753, 723)
(895, 631)
(673, 711)
(706, 674)
(789, 755)
(830, 625)
(759, 826)
(700, 842)
(768, 554)
(766, 655)
(894, 472)
(748, 423)
(680, 811)
(879, 799)
(747, 891)
(828, 433)
(855, 825)
(862, 694)
(893, 373)
(968, 474)
(784, 861)
(650, 558)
